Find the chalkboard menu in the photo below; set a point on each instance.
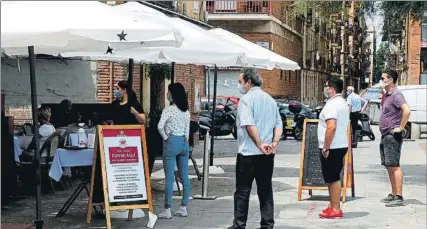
(312, 169)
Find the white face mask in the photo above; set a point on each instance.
(241, 89)
(382, 84)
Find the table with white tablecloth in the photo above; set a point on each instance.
(20, 143)
(65, 158)
(62, 161)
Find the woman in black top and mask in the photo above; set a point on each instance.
(127, 109)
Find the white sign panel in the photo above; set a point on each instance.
(124, 165)
(264, 44)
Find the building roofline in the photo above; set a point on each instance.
(181, 16)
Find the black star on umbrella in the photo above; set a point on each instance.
(109, 50)
(122, 35)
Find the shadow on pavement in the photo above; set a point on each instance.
(326, 198)
(352, 215)
(414, 202)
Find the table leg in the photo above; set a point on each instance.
(72, 198)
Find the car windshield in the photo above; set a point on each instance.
(372, 94)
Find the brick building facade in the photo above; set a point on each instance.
(278, 83)
(410, 56)
(272, 25)
(413, 52)
(110, 73)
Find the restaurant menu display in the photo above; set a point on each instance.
(124, 165)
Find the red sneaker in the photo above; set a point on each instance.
(331, 214)
(327, 209)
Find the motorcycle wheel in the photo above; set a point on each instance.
(371, 136)
(234, 132)
(298, 133)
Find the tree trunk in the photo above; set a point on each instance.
(154, 139)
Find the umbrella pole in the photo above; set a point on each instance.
(213, 116)
(130, 77)
(39, 220)
(173, 72)
(209, 87)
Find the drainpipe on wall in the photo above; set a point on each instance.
(304, 56)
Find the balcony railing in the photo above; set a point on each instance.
(239, 6)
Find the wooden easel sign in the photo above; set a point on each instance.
(123, 171)
(311, 177)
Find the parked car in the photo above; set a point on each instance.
(415, 96)
(220, 102)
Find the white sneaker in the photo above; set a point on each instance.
(182, 211)
(165, 214)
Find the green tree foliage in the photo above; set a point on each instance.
(326, 8)
(395, 13)
(380, 60)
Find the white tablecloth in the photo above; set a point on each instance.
(20, 142)
(69, 158)
(17, 148)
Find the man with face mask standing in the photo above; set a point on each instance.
(395, 113)
(333, 143)
(355, 106)
(259, 128)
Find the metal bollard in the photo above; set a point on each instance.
(205, 181)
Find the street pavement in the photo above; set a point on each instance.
(363, 211)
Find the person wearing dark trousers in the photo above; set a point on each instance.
(394, 116)
(356, 108)
(259, 128)
(333, 143)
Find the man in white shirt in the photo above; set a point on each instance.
(355, 106)
(259, 129)
(333, 143)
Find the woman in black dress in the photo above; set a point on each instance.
(127, 109)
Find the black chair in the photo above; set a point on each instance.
(194, 128)
(27, 170)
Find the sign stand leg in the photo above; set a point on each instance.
(353, 192)
(92, 182)
(205, 185)
(299, 193)
(130, 214)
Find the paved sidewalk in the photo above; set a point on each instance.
(364, 211)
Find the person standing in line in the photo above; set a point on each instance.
(395, 114)
(259, 128)
(333, 143)
(174, 127)
(356, 108)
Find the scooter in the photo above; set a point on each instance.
(364, 127)
(225, 121)
(317, 110)
(298, 123)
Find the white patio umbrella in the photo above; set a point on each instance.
(72, 26)
(61, 26)
(255, 53)
(198, 47)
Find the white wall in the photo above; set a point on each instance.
(56, 80)
(226, 81)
